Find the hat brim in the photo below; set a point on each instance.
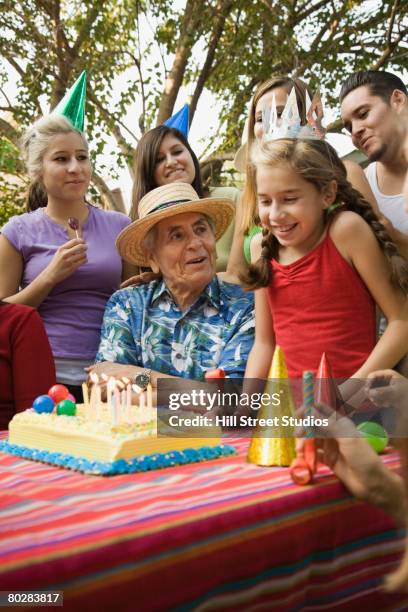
(130, 240)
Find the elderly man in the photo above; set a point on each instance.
(372, 105)
(188, 321)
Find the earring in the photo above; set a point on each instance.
(334, 207)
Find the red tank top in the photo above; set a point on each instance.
(320, 304)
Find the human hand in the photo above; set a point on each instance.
(122, 373)
(387, 388)
(353, 395)
(340, 446)
(140, 279)
(344, 449)
(66, 260)
(117, 370)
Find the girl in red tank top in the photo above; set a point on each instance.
(325, 262)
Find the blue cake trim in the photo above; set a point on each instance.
(138, 464)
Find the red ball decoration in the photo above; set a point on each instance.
(217, 373)
(58, 393)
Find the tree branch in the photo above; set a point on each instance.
(138, 64)
(104, 191)
(175, 78)
(222, 11)
(13, 63)
(301, 16)
(392, 21)
(86, 28)
(124, 147)
(388, 51)
(10, 132)
(7, 99)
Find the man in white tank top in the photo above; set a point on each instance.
(371, 106)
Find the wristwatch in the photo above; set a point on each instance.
(142, 379)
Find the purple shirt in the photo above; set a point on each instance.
(73, 310)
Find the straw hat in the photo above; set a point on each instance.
(164, 202)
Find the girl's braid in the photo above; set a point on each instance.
(260, 273)
(354, 201)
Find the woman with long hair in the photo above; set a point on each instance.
(60, 256)
(164, 156)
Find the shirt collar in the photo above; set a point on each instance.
(212, 293)
(159, 290)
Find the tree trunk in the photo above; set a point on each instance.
(174, 79)
(113, 200)
(221, 13)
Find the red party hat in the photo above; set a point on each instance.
(326, 389)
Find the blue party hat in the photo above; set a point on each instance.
(180, 121)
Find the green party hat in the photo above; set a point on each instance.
(72, 104)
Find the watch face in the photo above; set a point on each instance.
(142, 380)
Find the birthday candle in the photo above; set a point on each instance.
(92, 407)
(86, 397)
(98, 403)
(112, 410)
(109, 391)
(128, 401)
(142, 400)
(149, 397)
(89, 413)
(123, 405)
(116, 408)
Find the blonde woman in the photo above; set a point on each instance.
(67, 274)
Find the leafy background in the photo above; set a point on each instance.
(141, 55)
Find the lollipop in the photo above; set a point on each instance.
(74, 225)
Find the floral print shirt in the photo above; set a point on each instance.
(144, 326)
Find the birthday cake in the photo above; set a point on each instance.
(93, 443)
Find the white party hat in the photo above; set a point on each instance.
(288, 125)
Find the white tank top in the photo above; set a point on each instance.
(391, 206)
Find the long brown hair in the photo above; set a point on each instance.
(145, 163)
(250, 216)
(317, 162)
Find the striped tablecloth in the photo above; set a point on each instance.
(221, 535)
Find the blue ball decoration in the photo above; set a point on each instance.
(43, 403)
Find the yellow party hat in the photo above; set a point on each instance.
(275, 445)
